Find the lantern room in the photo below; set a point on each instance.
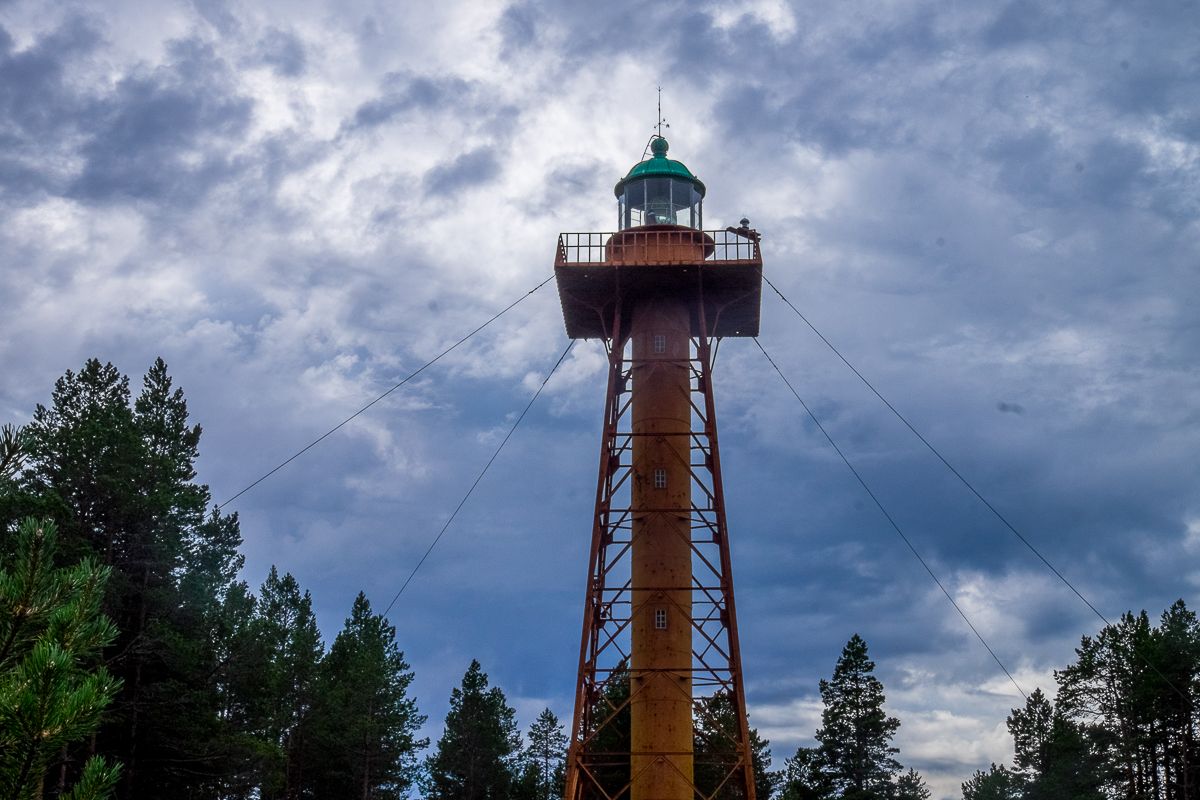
(659, 191)
(660, 249)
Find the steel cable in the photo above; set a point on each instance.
(479, 478)
(396, 386)
(970, 487)
(892, 521)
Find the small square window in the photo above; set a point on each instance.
(660, 478)
(660, 343)
(660, 619)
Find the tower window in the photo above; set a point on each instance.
(660, 619)
(660, 478)
(660, 343)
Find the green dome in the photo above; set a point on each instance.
(659, 166)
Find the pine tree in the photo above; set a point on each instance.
(83, 457)
(1030, 728)
(117, 476)
(52, 688)
(1177, 656)
(183, 562)
(362, 741)
(1115, 694)
(544, 758)
(241, 661)
(475, 758)
(856, 754)
(803, 779)
(1123, 724)
(286, 628)
(1073, 770)
(13, 452)
(998, 783)
(911, 786)
(1052, 759)
(713, 748)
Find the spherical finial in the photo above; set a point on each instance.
(659, 147)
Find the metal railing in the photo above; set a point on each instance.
(648, 247)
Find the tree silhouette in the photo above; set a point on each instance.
(856, 752)
(476, 756)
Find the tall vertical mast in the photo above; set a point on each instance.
(659, 645)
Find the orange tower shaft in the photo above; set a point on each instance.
(661, 560)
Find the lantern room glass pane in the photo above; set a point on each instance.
(659, 201)
(685, 199)
(632, 205)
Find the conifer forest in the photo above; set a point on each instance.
(137, 661)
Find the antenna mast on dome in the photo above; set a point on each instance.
(662, 122)
(658, 127)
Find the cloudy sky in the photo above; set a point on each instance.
(990, 208)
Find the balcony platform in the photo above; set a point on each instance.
(721, 268)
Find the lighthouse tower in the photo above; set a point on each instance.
(659, 657)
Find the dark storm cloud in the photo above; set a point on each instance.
(283, 52)
(745, 110)
(217, 14)
(404, 92)
(814, 121)
(563, 185)
(593, 30)
(473, 168)
(696, 46)
(880, 41)
(837, 99)
(1145, 87)
(1187, 125)
(1134, 66)
(151, 136)
(1035, 166)
(163, 134)
(39, 108)
(1020, 21)
(518, 26)
(1111, 171)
